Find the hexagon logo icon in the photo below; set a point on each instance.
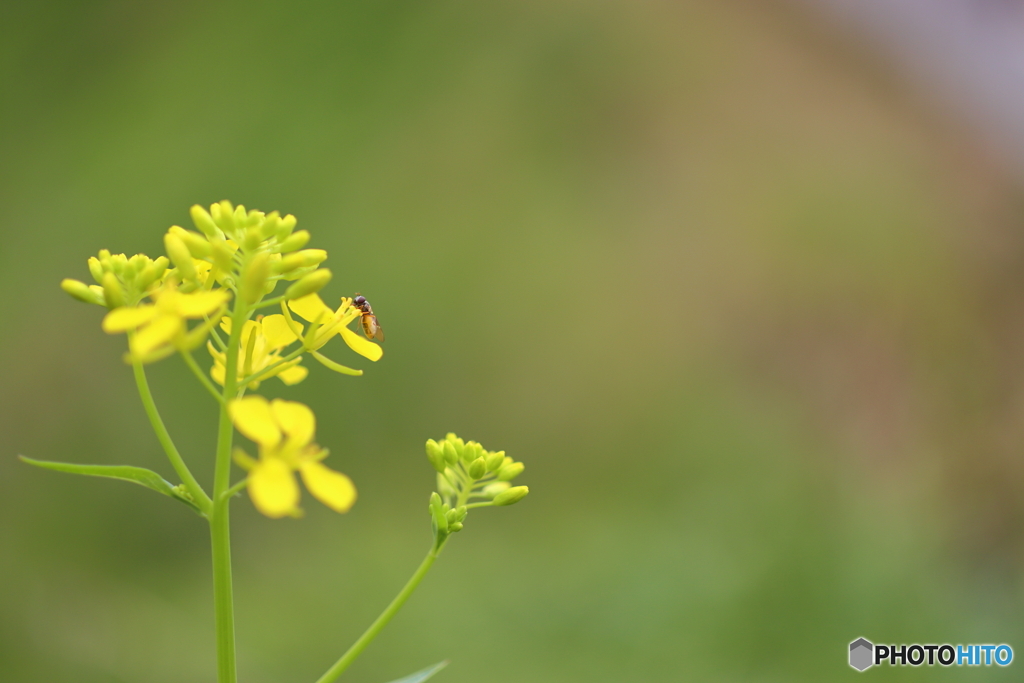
(861, 654)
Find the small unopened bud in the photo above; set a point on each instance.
(255, 278)
(495, 460)
(511, 496)
(270, 224)
(477, 468)
(286, 226)
(253, 237)
(197, 246)
(436, 455)
(450, 456)
(81, 291)
(510, 471)
(180, 256)
(151, 273)
(469, 451)
(308, 284)
(204, 222)
(435, 500)
(224, 214)
(113, 292)
(96, 269)
(300, 259)
(297, 240)
(494, 488)
(455, 527)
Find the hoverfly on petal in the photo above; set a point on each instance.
(371, 328)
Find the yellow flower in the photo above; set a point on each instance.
(160, 327)
(313, 309)
(284, 431)
(261, 343)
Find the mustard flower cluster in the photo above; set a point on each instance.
(467, 471)
(211, 278)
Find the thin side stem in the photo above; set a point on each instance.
(190, 361)
(377, 626)
(162, 435)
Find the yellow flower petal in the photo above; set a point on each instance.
(217, 373)
(272, 488)
(331, 488)
(310, 307)
(157, 333)
(277, 332)
(296, 420)
(252, 417)
(293, 375)
(198, 304)
(124, 319)
(361, 345)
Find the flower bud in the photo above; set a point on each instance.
(255, 278)
(297, 240)
(308, 284)
(436, 455)
(81, 291)
(495, 460)
(285, 227)
(180, 256)
(469, 452)
(494, 488)
(253, 237)
(151, 273)
(224, 216)
(450, 456)
(197, 246)
(458, 444)
(270, 224)
(440, 520)
(455, 527)
(477, 468)
(204, 222)
(300, 259)
(113, 292)
(511, 496)
(96, 269)
(435, 500)
(510, 471)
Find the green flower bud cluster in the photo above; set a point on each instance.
(120, 280)
(467, 471)
(249, 250)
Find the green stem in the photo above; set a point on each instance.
(260, 375)
(220, 533)
(201, 376)
(377, 626)
(220, 541)
(197, 492)
(236, 488)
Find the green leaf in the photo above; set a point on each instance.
(137, 475)
(423, 675)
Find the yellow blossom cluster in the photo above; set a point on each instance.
(220, 275)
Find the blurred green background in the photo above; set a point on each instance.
(750, 312)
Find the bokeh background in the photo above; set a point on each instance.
(745, 295)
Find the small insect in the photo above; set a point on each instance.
(371, 328)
